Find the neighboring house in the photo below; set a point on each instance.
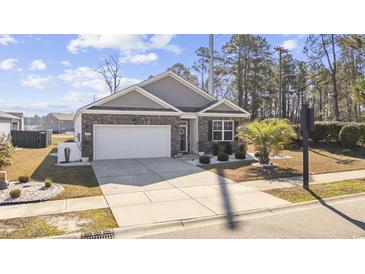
(9, 122)
(58, 122)
(159, 117)
(32, 123)
(18, 125)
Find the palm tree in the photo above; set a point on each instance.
(268, 136)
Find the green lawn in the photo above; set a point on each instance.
(57, 224)
(318, 191)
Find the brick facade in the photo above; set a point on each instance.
(203, 126)
(88, 120)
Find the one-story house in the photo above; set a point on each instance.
(159, 117)
(58, 122)
(10, 121)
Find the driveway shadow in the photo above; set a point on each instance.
(355, 222)
(227, 203)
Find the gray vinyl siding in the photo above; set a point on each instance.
(222, 107)
(176, 94)
(51, 123)
(133, 99)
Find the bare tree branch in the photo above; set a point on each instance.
(110, 70)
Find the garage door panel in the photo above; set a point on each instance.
(131, 141)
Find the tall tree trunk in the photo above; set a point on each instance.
(333, 69)
(239, 81)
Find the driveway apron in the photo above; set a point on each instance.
(153, 190)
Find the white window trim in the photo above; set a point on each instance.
(222, 130)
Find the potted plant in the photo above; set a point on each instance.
(200, 147)
(268, 136)
(6, 153)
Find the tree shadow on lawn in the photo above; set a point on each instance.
(243, 172)
(77, 181)
(336, 149)
(358, 223)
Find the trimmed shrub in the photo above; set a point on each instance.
(23, 179)
(6, 151)
(204, 159)
(350, 135)
(227, 148)
(346, 151)
(362, 133)
(326, 132)
(223, 157)
(15, 193)
(48, 183)
(215, 148)
(242, 148)
(240, 155)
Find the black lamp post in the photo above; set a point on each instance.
(306, 126)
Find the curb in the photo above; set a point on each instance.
(169, 226)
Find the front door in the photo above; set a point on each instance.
(183, 136)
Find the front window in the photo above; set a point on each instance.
(223, 130)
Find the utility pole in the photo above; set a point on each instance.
(282, 96)
(210, 80)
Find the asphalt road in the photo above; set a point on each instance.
(341, 219)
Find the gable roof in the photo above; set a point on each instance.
(204, 110)
(179, 79)
(233, 106)
(128, 90)
(8, 115)
(17, 114)
(63, 116)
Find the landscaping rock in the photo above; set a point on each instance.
(31, 192)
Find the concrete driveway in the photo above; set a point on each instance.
(152, 190)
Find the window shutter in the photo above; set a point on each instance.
(210, 130)
(236, 125)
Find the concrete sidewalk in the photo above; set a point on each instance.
(298, 180)
(173, 203)
(51, 207)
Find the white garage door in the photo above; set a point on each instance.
(131, 141)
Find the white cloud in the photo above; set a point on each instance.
(8, 64)
(39, 82)
(85, 77)
(31, 108)
(6, 39)
(290, 44)
(126, 82)
(78, 96)
(163, 41)
(124, 43)
(38, 65)
(139, 58)
(66, 63)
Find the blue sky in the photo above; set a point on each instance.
(55, 73)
